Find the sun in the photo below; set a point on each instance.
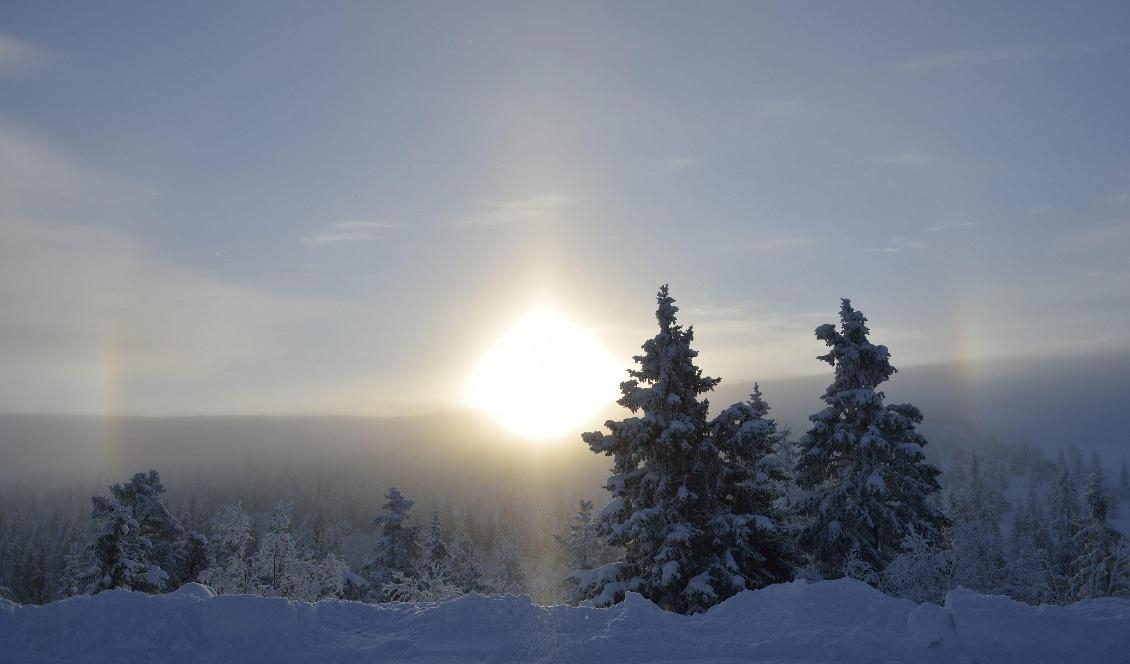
(544, 378)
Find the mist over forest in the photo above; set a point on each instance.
(1048, 403)
(483, 480)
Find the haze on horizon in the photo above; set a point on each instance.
(339, 208)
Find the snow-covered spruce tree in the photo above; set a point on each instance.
(435, 549)
(190, 558)
(397, 551)
(317, 537)
(862, 462)
(434, 579)
(1029, 556)
(321, 577)
(144, 494)
(153, 550)
(77, 563)
(465, 572)
(751, 482)
(682, 543)
(275, 567)
(1102, 568)
(1065, 516)
(119, 553)
(508, 577)
(1030, 529)
(230, 570)
(579, 547)
(1112, 504)
(180, 553)
(979, 560)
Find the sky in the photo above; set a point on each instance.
(336, 207)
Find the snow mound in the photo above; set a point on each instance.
(195, 590)
(841, 621)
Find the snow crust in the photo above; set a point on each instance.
(841, 621)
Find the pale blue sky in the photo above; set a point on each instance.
(309, 207)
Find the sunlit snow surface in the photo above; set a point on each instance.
(835, 621)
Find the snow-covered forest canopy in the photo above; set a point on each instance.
(703, 502)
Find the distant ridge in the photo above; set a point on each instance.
(1048, 402)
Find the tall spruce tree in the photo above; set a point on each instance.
(397, 552)
(579, 546)
(144, 494)
(156, 553)
(276, 567)
(862, 462)
(120, 555)
(435, 549)
(180, 553)
(752, 483)
(979, 558)
(1065, 517)
(1030, 553)
(508, 576)
(1102, 568)
(683, 546)
(230, 569)
(465, 572)
(1113, 505)
(435, 579)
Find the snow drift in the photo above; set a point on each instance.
(842, 621)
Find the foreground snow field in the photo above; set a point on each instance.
(832, 621)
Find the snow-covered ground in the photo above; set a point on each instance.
(833, 621)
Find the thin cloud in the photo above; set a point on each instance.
(975, 57)
(902, 243)
(968, 58)
(97, 321)
(768, 245)
(751, 336)
(533, 209)
(899, 244)
(349, 231)
(39, 179)
(738, 310)
(94, 322)
(19, 57)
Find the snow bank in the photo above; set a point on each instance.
(842, 621)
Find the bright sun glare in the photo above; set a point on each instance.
(544, 377)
